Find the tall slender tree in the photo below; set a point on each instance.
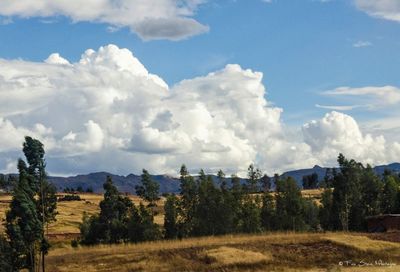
(148, 189)
(188, 202)
(254, 175)
(32, 190)
(222, 180)
(23, 224)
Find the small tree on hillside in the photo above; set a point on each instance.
(222, 180)
(148, 189)
(253, 174)
(265, 182)
(110, 226)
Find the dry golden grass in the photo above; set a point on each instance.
(70, 213)
(233, 256)
(267, 252)
(362, 243)
(4, 203)
(312, 193)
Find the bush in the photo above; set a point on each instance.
(74, 243)
(70, 198)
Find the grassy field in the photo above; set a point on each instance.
(267, 252)
(70, 214)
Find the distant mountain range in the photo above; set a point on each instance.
(170, 184)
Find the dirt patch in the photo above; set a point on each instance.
(386, 236)
(62, 236)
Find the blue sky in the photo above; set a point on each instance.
(302, 47)
(307, 50)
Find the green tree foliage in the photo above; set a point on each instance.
(237, 194)
(110, 225)
(289, 205)
(33, 207)
(250, 214)
(390, 195)
(250, 206)
(6, 261)
(90, 229)
(148, 189)
(371, 192)
(171, 217)
(119, 220)
(326, 213)
(226, 210)
(114, 212)
(357, 193)
(265, 183)
(268, 214)
(141, 226)
(209, 219)
(222, 180)
(310, 181)
(347, 195)
(254, 175)
(188, 203)
(310, 213)
(47, 203)
(23, 225)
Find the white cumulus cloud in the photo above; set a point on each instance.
(385, 9)
(337, 132)
(372, 97)
(106, 112)
(150, 19)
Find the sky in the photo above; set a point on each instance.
(118, 85)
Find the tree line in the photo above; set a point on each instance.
(204, 207)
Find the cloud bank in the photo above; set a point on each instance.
(107, 112)
(385, 9)
(369, 97)
(150, 19)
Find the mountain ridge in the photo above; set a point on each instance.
(170, 184)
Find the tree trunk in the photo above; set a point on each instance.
(43, 264)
